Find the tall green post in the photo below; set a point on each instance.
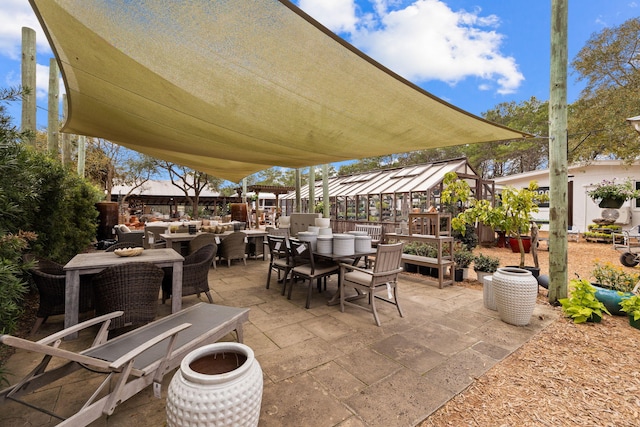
(311, 208)
(325, 191)
(558, 166)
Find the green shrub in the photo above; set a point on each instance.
(486, 263)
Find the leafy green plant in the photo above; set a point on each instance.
(512, 215)
(583, 306)
(463, 258)
(613, 277)
(486, 263)
(631, 306)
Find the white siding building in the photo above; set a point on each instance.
(582, 178)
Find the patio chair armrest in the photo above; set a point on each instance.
(105, 318)
(347, 266)
(124, 359)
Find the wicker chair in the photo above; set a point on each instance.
(132, 288)
(202, 240)
(123, 245)
(49, 278)
(279, 259)
(195, 274)
(234, 246)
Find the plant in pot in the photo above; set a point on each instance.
(583, 306)
(612, 194)
(463, 259)
(631, 306)
(513, 215)
(613, 285)
(485, 265)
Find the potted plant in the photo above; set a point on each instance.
(631, 306)
(485, 265)
(583, 306)
(463, 259)
(512, 215)
(613, 285)
(611, 194)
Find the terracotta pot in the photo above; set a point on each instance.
(526, 243)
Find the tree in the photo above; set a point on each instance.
(608, 63)
(187, 179)
(510, 157)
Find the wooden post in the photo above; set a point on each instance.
(66, 137)
(312, 190)
(558, 246)
(325, 191)
(298, 186)
(53, 119)
(29, 83)
(82, 145)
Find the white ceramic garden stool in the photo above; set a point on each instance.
(515, 291)
(488, 297)
(217, 385)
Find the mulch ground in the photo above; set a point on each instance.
(567, 375)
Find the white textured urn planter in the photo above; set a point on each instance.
(217, 385)
(515, 291)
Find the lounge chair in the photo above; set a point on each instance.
(129, 362)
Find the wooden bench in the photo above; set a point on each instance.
(441, 265)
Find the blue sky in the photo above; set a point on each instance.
(474, 54)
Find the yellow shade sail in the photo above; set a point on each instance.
(234, 87)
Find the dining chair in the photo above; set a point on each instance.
(132, 288)
(306, 267)
(49, 278)
(279, 259)
(382, 277)
(152, 236)
(195, 274)
(234, 246)
(201, 240)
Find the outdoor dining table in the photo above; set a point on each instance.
(95, 262)
(338, 258)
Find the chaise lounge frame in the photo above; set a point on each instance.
(132, 361)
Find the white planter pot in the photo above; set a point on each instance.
(488, 297)
(217, 385)
(481, 275)
(323, 222)
(515, 291)
(465, 273)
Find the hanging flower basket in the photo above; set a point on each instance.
(611, 203)
(612, 194)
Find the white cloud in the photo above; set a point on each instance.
(15, 14)
(426, 40)
(337, 15)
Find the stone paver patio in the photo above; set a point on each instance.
(323, 367)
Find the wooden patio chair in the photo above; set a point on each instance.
(129, 363)
(306, 267)
(383, 277)
(279, 259)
